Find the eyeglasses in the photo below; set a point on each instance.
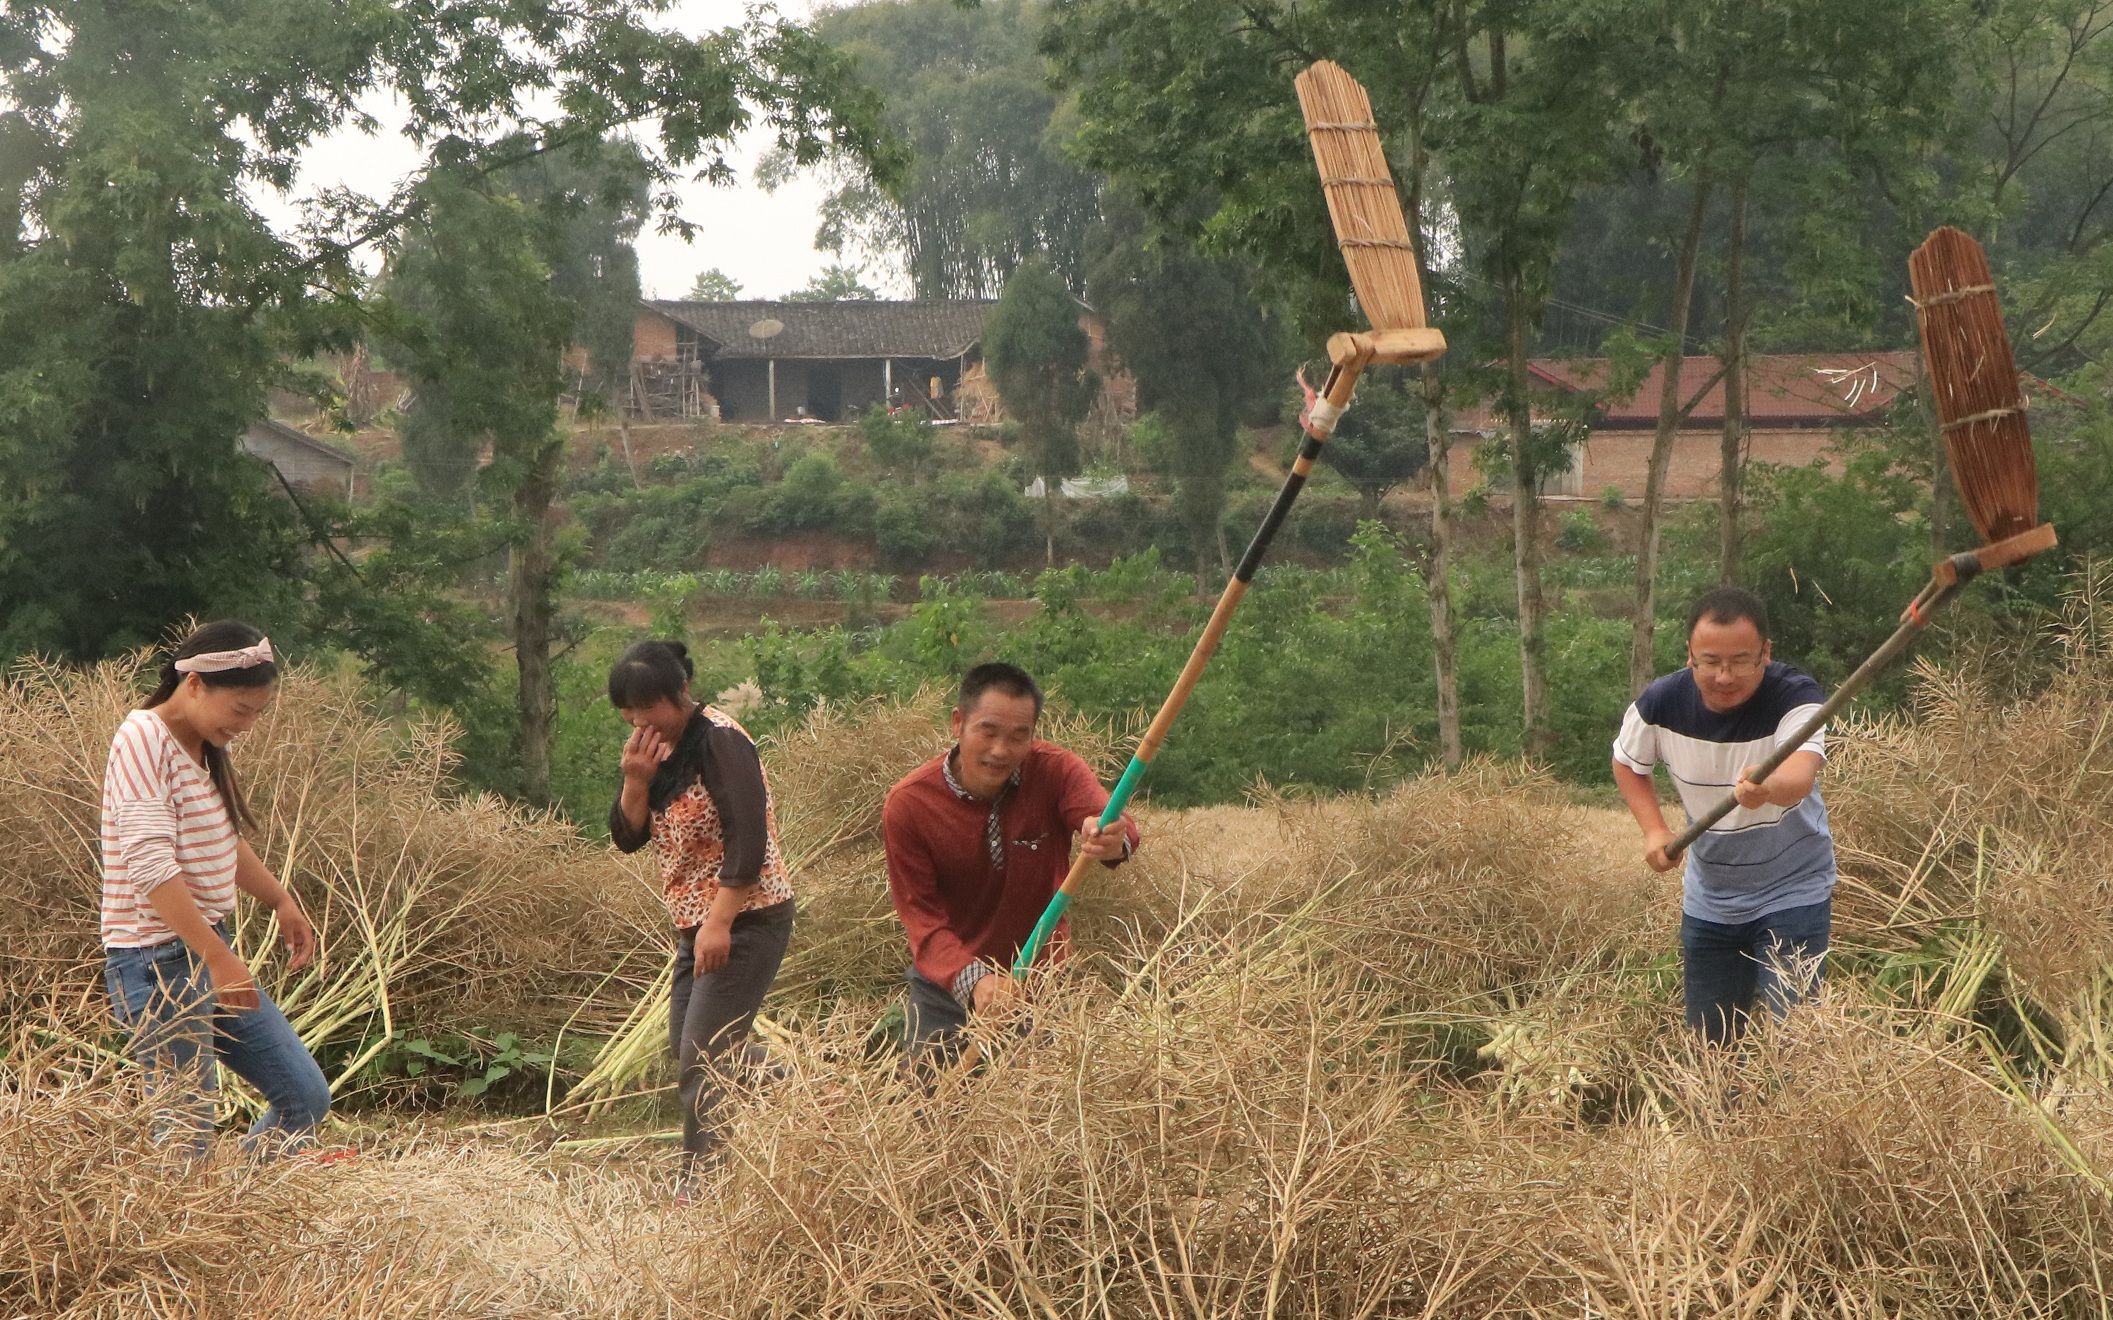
(1730, 666)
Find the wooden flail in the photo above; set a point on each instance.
(1980, 408)
(1375, 243)
(1981, 411)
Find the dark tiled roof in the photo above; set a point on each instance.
(940, 330)
(1782, 389)
(300, 439)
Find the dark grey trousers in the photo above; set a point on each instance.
(932, 1029)
(932, 1025)
(709, 1016)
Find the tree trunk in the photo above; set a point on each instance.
(1731, 470)
(1643, 625)
(1438, 585)
(623, 435)
(1438, 471)
(1367, 502)
(1050, 482)
(1526, 530)
(531, 579)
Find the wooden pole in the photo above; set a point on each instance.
(1352, 354)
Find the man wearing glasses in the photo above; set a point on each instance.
(1758, 890)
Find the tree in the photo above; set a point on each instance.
(714, 285)
(1036, 352)
(902, 444)
(131, 352)
(1727, 87)
(145, 306)
(834, 284)
(1525, 77)
(1184, 327)
(1249, 153)
(484, 278)
(1381, 443)
(991, 185)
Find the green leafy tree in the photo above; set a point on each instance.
(1185, 327)
(714, 285)
(145, 306)
(1725, 90)
(836, 283)
(1036, 352)
(1380, 444)
(991, 185)
(486, 360)
(1525, 76)
(133, 351)
(901, 443)
(1249, 153)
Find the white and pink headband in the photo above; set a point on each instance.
(214, 662)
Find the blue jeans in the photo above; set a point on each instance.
(164, 995)
(1775, 959)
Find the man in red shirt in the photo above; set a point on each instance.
(978, 840)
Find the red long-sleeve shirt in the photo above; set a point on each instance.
(955, 906)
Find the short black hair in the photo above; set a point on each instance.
(650, 672)
(1007, 678)
(1728, 605)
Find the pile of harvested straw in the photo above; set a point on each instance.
(1238, 1116)
(1970, 829)
(437, 910)
(1412, 1055)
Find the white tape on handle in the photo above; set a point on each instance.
(1321, 419)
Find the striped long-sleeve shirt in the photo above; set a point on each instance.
(163, 819)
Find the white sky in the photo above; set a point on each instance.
(764, 240)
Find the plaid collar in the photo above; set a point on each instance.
(993, 833)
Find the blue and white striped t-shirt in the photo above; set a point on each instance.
(1752, 862)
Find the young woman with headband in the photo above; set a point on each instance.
(172, 864)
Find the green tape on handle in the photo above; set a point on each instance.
(1043, 929)
(1124, 787)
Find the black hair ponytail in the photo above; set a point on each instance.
(650, 672)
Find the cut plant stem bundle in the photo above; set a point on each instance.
(1379, 254)
(1981, 412)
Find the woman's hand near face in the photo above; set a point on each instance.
(644, 750)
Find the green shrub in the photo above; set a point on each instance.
(901, 443)
(1579, 533)
(903, 531)
(807, 497)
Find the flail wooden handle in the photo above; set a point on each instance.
(2002, 554)
(1421, 344)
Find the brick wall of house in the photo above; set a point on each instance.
(1622, 459)
(652, 336)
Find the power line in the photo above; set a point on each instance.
(1686, 341)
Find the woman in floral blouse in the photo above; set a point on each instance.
(695, 787)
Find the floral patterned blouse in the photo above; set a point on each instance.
(711, 821)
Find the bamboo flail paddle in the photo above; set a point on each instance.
(1981, 412)
(1374, 239)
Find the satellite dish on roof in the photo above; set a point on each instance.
(765, 328)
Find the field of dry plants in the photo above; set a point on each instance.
(1412, 1055)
